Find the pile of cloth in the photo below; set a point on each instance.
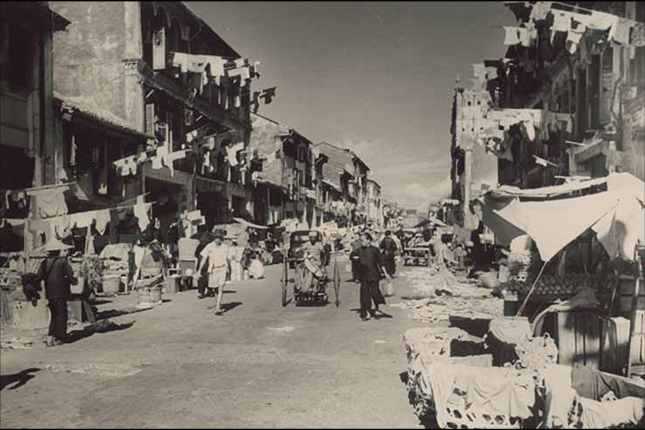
(586, 398)
(439, 295)
(471, 395)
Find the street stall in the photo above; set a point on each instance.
(584, 247)
(549, 367)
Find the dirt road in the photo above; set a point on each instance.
(179, 365)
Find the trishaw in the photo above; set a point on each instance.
(318, 293)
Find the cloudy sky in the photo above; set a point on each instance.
(376, 77)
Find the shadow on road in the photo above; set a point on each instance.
(103, 327)
(19, 379)
(113, 313)
(227, 307)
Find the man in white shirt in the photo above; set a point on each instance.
(217, 254)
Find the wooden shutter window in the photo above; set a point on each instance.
(150, 119)
(159, 50)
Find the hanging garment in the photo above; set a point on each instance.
(102, 218)
(603, 21)
(621, 35)
(540, 10)
(51, 203)
(141, 212)
(180, 59)
(511, 36)
(524, 37)
(561, 20)
(231, 153)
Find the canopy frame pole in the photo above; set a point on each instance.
(526, 299)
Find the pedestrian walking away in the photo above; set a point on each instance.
(217, 254)
(388, 248)
(58, 275)
(371, 264)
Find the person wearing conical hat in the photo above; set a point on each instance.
(58, 276)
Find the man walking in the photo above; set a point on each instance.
(371, 268)
(388, 248)
(354, 256)
(217, 254)
(58, 275)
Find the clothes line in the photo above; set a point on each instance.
(592, 11)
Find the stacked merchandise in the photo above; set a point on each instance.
(116, 266)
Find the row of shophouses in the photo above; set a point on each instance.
(130, 99)
(566, 102)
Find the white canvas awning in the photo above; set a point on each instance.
(616, 215)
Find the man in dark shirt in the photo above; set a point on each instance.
(388, 247)
(58, 275)
(354, 256)
(371, 269)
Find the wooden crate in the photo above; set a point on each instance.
(578, 338)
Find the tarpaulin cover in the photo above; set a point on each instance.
(617, 216)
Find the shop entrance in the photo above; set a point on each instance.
(167, 196)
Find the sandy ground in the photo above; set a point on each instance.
(178, 366)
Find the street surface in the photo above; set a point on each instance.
(259, 365)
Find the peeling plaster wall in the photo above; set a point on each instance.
(88, 57)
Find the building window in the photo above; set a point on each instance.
(16, 51)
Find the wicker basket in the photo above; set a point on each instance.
(111, 284)
(150, 296)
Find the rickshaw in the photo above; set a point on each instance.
(295, 261)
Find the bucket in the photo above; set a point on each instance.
(111, 284)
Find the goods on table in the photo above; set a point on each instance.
(466, 396)
(536, 353)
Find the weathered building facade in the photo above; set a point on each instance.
(286, 176)
(374, 203)
(473, 169)
(167, 74)
(589, 82)
(26, 94)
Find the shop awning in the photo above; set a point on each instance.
(616, 215)
(431, 221)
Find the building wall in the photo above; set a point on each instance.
(603, 88)
(88, 57)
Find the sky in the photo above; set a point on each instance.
(375, 77)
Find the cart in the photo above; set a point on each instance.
(295, 278)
